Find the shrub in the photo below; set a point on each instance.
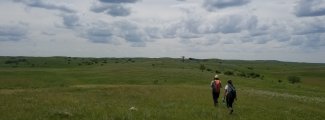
(262, 77)
(229, 73)
(294, 79)
(242, 74)
(202, 67)
(218, 72)
(155, 82)
(250, 68)
(254, 75)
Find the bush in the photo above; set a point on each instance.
(254, 75)
(229, 73)
(250, 68)
(294, 79)
(202, 67)
(155, 82)
(218, 72)
(241, 74)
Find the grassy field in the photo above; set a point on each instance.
(51, 88)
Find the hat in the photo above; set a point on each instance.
(216, 76)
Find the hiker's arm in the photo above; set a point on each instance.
(225, 94)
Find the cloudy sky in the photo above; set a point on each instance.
(286, 30)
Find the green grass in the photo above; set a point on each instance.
(165, 88)
(152, 101)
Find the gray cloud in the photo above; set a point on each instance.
(46, 5)
(100, 35)
(118, 1)
(113, 7)
(118, 10)
(131, 32)
(114, 32)
(195, 26)
(308, 42)
(212, 5)
(70, 20)
(315, 40)
(153, 32)
(98, 8)
(307, 8)
(313, 26)
(229, 24)
(48, 33)
(12, 33)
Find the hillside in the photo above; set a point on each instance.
(160, 88)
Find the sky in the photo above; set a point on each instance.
(285, 30)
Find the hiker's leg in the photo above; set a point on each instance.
(228, 101)
(231, 101)
(214, 96)
(217, 96)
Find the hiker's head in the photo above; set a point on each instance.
(229, 82)
(216, 77)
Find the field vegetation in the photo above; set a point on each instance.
(73, 88)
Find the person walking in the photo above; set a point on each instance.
(230, 96)
(215, 86)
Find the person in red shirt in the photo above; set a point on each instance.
(215, 86)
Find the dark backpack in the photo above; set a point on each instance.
(231, 90)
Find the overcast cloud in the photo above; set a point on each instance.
(291, 30)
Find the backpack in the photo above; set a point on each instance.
(216, 85)
(231, 90)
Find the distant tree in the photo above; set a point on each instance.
(202, 67)
(183, 58)
(191, 58)
(208, 69)
(294, 79)
(279, 81)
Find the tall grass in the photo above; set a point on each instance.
(169, 89)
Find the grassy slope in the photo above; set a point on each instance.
(169, 89)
